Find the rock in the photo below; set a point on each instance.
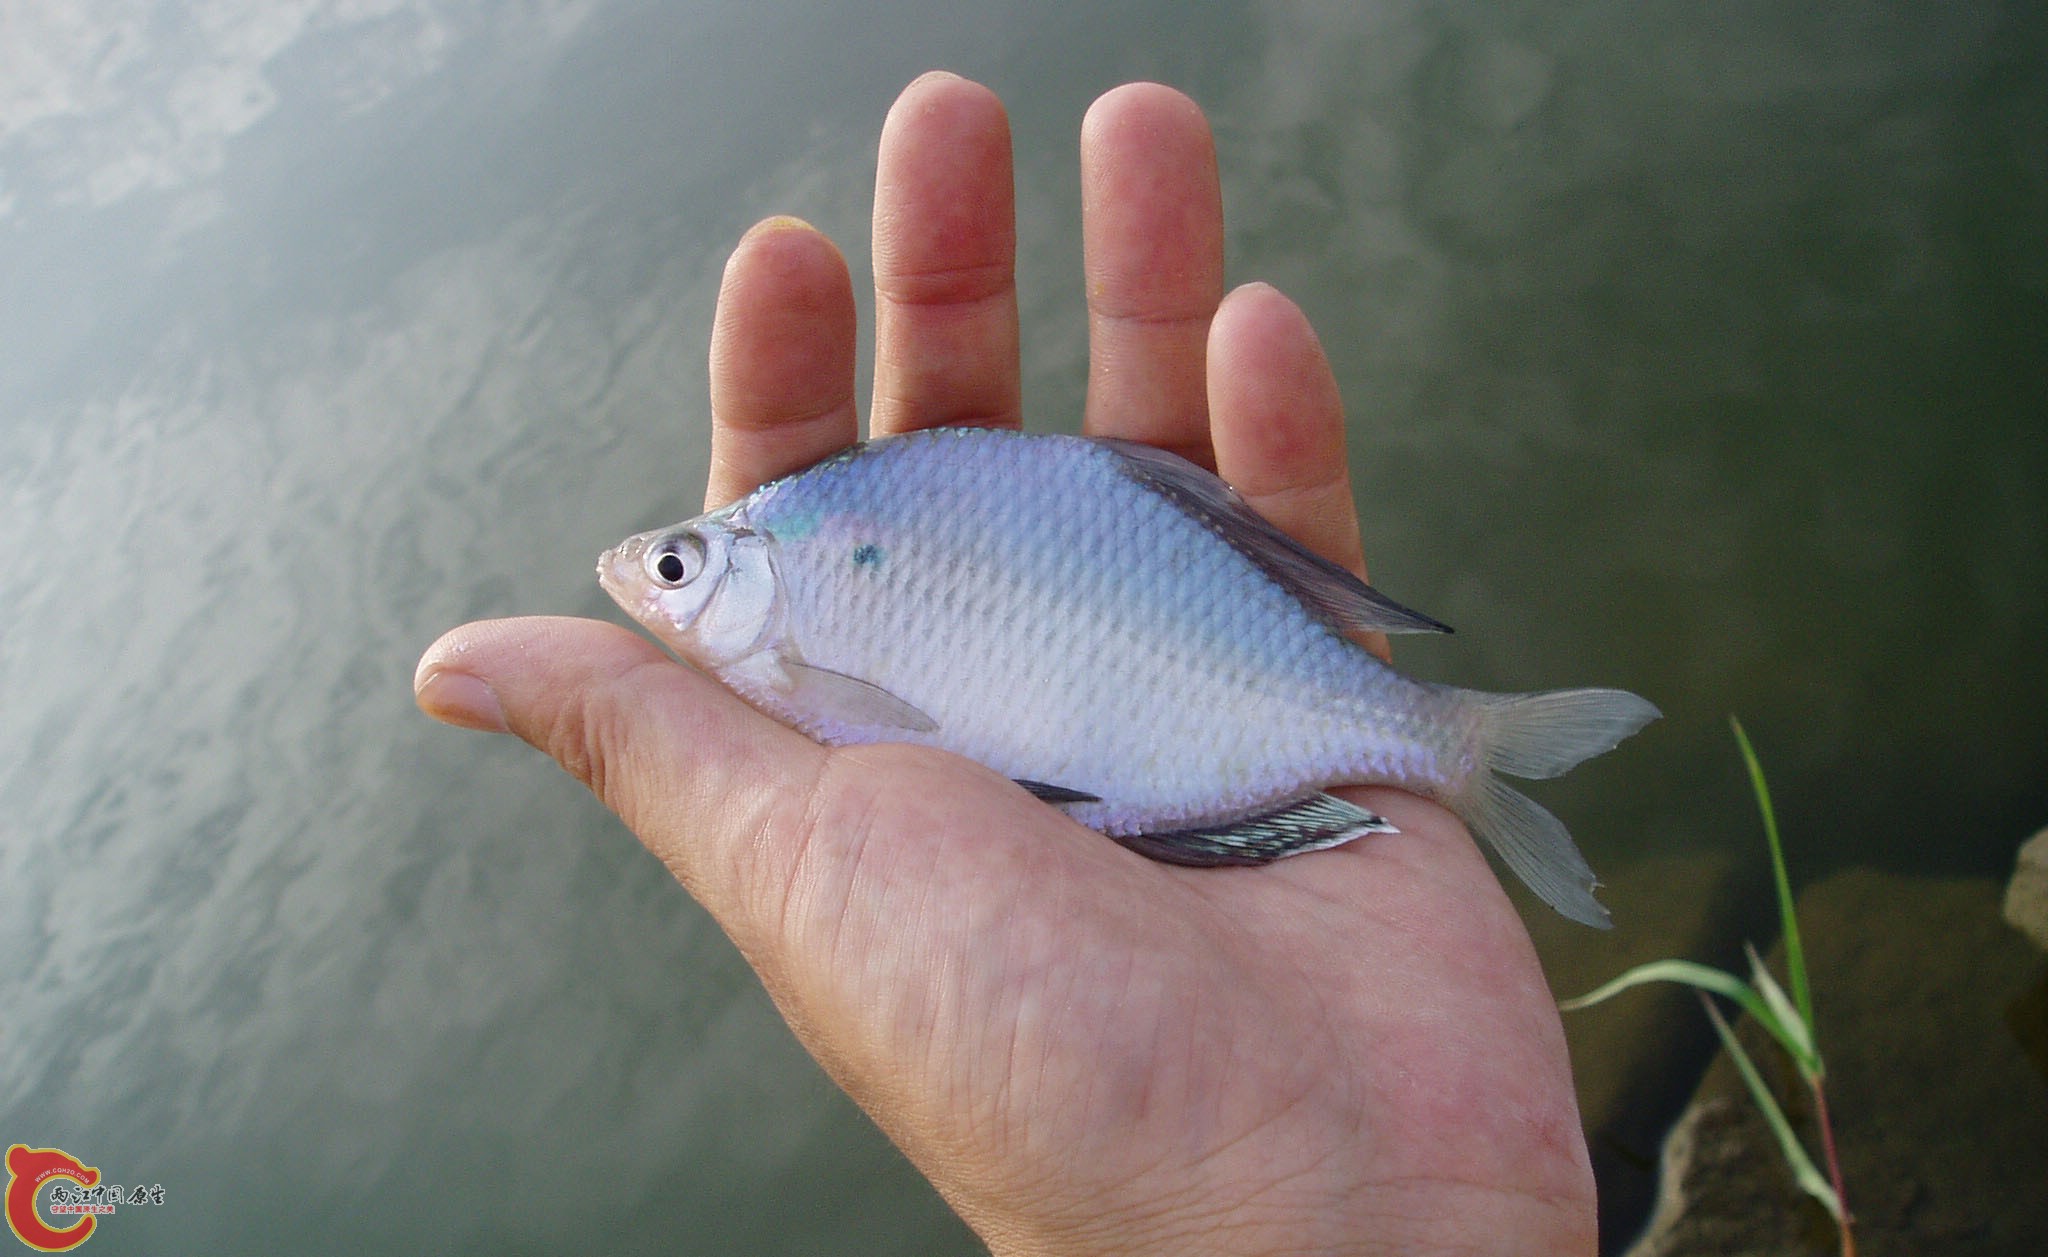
(2026, 895)
(1714, 1164)
(1941, 1118)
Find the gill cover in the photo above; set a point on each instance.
(717, 588)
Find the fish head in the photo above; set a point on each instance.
(707, 587)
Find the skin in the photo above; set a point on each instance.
(1352, 1051)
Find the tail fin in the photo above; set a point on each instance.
(1544, 735)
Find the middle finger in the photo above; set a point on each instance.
(1152, 241)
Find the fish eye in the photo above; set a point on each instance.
(677, 560)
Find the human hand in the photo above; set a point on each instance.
(1085, 1051)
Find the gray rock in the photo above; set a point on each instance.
(1942, 1118)
(2026, 895)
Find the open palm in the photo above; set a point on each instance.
(1351, 1051)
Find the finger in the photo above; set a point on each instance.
(688, 767)
(1278, 425)
(782, 347)
(1152, 241)
(945, 252)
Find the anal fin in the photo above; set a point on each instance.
(1305, 824)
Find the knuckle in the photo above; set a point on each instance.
(967, 285)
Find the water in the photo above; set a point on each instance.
(1689, 351)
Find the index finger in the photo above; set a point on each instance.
(782, 346)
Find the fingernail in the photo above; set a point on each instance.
(457, 698)
(775, 224)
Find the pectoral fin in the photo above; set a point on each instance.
(850, 700)
(1305, 824)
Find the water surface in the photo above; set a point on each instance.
(1694, 351)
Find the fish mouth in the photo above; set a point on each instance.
(620, 574)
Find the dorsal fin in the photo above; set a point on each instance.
(1334, 595)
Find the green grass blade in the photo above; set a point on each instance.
(1780, 1020)
(1705, 977)
(1798, 1036)
(1795, 955)
(1803, 1169)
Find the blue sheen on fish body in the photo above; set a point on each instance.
(1111, 627)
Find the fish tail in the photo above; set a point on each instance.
(1543, 735)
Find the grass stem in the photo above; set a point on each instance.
(1788, 1020)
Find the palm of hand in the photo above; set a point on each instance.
(1134, 1043)
(1351, 1051)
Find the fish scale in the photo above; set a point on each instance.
(1078, 737)
(1112, 627)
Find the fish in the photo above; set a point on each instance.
(1115, 629)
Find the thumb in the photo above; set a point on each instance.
(699, 776)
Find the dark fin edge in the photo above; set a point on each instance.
(1339, 598)
(1056, 794)
(1312, 823)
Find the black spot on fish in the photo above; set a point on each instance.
(867, 554)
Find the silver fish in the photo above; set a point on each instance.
(1113, 628)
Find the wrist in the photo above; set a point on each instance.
(1413, 1219)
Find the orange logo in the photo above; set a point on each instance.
(27, 1170)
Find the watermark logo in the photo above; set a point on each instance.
(75, 1192)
